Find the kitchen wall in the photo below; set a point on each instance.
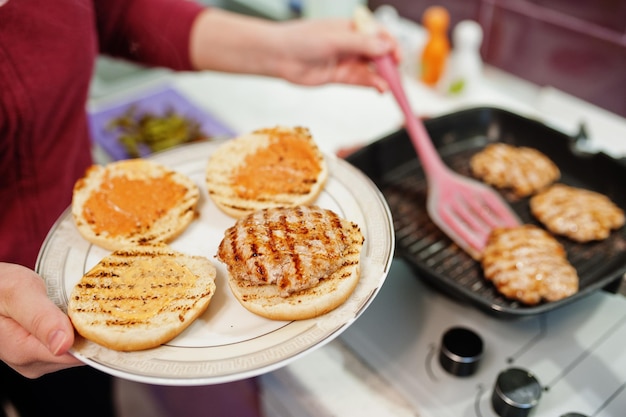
(577, 46)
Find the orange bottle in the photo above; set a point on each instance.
(436, 20)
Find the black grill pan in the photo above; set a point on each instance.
(393, 165)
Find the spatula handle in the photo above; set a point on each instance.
(432, 163)
(387, 68)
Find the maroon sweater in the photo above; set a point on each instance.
(47, 54)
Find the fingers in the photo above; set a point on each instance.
(23, 299)
(368, 45)
(35, 333)
(26, 354)
(395, 52)
(363, 45)
(355, 52)
(359, 72)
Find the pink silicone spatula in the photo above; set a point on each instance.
(465, 209)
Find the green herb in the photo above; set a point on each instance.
(457, 86)
(154, 132)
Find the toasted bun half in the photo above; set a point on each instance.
(267, 301)
(140, 298)
(274, 167)
(133, 202)
(292, 263)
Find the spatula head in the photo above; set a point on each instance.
(468, 211)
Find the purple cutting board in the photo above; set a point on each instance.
(157, 102)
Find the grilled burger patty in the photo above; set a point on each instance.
(581, 215)
(292, 263)
(522, 169)
(528, 264)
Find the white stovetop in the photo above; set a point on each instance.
(333, 381)
(576, 352)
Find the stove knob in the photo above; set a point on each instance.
(516, 393)
(461, 351)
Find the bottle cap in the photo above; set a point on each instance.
(467, 32)
(436, 18)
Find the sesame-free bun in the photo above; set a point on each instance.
(266, 301)
(273, 167)
(140, 298)
(133, 202)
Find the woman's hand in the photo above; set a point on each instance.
(307, 52)
(35, 333)
(317, 52)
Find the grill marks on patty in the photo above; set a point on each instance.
(528, 264)
(521, 169)
(290, 248)
(581, 215)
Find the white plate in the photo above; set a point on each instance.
(227, 342)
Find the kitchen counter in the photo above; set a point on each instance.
(341, 116)
(334, 380)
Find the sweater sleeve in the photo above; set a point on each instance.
(150, 32)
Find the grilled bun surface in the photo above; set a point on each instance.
(274, 167)
(292, 263)
(140, 298)
(133, 202)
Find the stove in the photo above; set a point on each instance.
(572, 359)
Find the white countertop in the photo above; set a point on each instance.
(337, 115)
(330, 381)
(341, 116)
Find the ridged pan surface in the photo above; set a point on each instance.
(391, 163)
